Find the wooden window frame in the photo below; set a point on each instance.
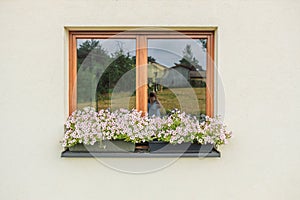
(141, 38)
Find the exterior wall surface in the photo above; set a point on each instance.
(257, 55)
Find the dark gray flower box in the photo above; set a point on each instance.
(165, 147)
(105, 146)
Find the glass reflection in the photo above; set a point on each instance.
(106, 73)
(177, 74)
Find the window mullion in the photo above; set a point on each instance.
(141, 73)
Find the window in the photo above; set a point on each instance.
(114, 69)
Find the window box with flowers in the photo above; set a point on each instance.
(119, 131)
(180, 133)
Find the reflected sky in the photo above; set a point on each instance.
(113, 45)
(170, 51)
(165, 51)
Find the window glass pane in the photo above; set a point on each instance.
(106, 73)
(177, 74)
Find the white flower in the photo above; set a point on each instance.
(87, 126)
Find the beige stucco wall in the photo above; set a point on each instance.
(258, 47)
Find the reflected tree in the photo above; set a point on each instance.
(188, 59)
(100, 71)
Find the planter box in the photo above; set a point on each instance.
(105, 146)
(165, 147)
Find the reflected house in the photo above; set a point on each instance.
(198, 78)
(176, 76)
(183, 76)
(156, 72)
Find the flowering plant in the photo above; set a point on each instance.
(180, 127)
(213, 131)
(84, 126)
(88, 127)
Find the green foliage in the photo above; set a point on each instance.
(204, 44)
(121, 63)
(99, 72)
(198, 83)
